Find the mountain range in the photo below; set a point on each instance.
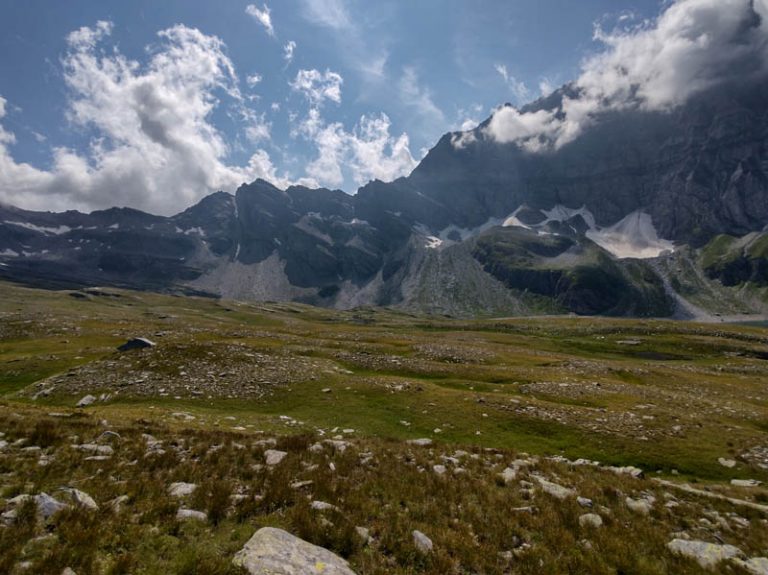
(646, 213)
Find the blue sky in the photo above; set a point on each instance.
(365, 90)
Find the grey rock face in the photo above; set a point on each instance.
(698, 170)
(276, 552)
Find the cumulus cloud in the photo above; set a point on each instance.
(263, 17)
(253, 79)
(368, 152)
(153, 145)
(657, 65)
(318, 86)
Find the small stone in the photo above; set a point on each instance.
(508, 475)
(323, 506)
(274, 456)
(421, 442)
(109, 436)
(68, 571)
(641, 506)
(86, 401)
(584, 502)
(729, 463)
(136, 343)
(439, 469)
(364, 534)
(745, 482)
(82, 499)
(184, 514)
(591, 520)
(47, 505)
(422, 542)
(94, 448)
(181, 489)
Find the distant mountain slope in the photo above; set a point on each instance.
(644, 212)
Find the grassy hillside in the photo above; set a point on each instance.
(228, 380)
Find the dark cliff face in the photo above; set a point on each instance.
(699, 170)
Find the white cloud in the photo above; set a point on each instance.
(87, 38)
(329, 13)
(253, 79)
(517, 87)
(153, 145)
(262, 16)
(257, 128)
(419, 98)
(546, 87)
(318, 86)
(288, 51)
(692, 46)
(5, 137)
(367, 152)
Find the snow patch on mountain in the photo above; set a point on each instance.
(634, 236)
(57, 231)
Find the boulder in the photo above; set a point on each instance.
(708, 555)
(273, 551)
(136, 343)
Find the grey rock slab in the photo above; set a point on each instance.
(708, 555)
(555, 490)
(273, 551)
